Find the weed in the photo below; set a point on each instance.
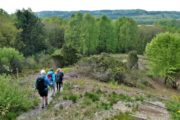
(93, 96)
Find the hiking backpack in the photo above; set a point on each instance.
(40, 84)
(59, 77)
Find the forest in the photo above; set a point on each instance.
(140, 16)
(96, 45)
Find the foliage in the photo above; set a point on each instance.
(54, 29)
(171, 25)
(132, 60)
(89, 36)
(106, 42)
(163, 54)
(126, 34)
(10, 60)
(145, 35)
(140, 16)
(32, 34)
(8, 32)
(14, 99)
(68, 55)
(93, 96)
(103, 67)
(174, 107)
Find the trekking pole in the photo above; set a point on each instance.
(17, 73)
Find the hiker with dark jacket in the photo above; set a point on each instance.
(42, 86)
(59, 79)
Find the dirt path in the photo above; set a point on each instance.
(35, 112)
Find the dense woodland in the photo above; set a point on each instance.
(31, 42)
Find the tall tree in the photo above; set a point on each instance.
(73, 31)
(54, 27)
(106, 35)
(32, 33)
(126, 34)
(89, 35)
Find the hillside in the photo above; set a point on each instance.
(87, 98)
(141, 16)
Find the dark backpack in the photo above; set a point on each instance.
(40, 84)
(59, 77)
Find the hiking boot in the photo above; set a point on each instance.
(42, 106)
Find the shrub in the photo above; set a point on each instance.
(132, 60)
(13, 98)
(102, 67)
(10, 60)
(68, 55)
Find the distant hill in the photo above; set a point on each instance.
(141, 16)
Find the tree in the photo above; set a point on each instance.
(8, 32)
(32, 33)
(73, 31)
(89, 35)
(145, 35)
(54, 28)
(163, 53)
(126, 34)
(106, 36)
(171, 25)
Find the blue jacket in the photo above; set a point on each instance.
(53, 77)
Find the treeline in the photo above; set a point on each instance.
(80, 35)
(140, 16)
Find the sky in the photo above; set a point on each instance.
(73, 5)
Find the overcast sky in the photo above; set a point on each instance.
(70, 5)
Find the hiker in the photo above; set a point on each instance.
(51, 77)
(59, 79)
(42, 86)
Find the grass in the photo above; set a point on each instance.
(173, 107)
(14, 98)
(121, 116)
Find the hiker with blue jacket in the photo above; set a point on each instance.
(52, 79)
(42, 86)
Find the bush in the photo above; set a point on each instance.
(174, 108)
(68, 55)
(40, 60)
(102, 67)
(163, 53)
(13, 98)
(10, 60)
(132, 60)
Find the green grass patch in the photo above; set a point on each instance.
(174, 108)
(71, 97)
(93, 96)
